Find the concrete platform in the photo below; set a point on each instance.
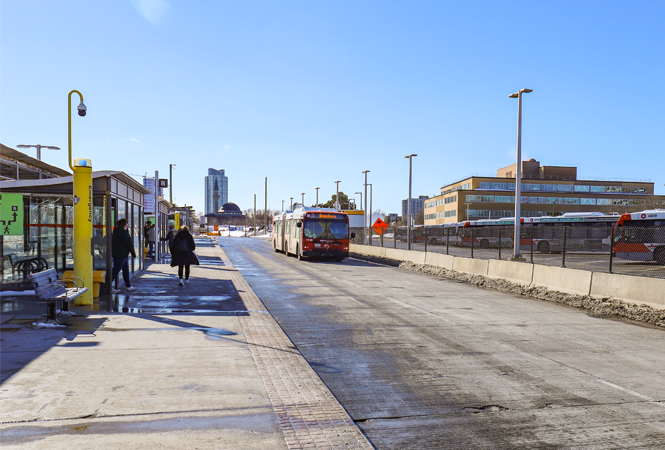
(199, 366)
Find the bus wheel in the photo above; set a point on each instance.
(544, 247)
(484, 243)
(659, 255)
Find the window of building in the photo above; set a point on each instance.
(604, 201)
(588, 201)
(549, 187)
(571, 201)
(565, 187)
(597, 188)
(613, 189)
(579, 188)
(485, 185)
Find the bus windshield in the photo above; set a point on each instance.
(326, 229)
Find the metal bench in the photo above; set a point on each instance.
(50, 288)
(24, 266)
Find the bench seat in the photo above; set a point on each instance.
(50, 288)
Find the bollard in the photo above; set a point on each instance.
(472, 242)
(500, 243)
(425, 237)
(83, 228)
(563, 262)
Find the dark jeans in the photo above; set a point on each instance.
(186, 266)
(121, 264)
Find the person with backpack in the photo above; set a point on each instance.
(182, 253)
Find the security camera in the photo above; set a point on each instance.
(82, 109)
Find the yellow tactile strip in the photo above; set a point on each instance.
(309, 414)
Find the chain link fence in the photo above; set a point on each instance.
(638, 251)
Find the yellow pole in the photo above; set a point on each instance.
(82, 212)
(83, 231)
(177, 221)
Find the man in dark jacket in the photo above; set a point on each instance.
(121, 248)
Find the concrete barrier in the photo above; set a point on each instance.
(395, 253)
(569, 281)
(414, 256)
(515, 272)
(630, 289)
(439, 260)
(470, 265)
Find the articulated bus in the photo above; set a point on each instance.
(584, 231)
(640, 236)
(312, 232)
(434, 234)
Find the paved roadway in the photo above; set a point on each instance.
(422, 363)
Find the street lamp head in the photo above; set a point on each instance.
(515, 95)
(52, 148)
(82, 109)
(411, 155)
(23, 146)
(527, 90)
(365, 171)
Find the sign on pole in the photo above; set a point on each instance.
(379, 227)
(11, 214)
(149, 199)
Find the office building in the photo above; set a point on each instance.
(216, 190)
(417, 206)
(546, 191)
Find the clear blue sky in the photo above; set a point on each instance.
(310, 92)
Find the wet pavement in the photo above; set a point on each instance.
(420, 362)
(165, 366)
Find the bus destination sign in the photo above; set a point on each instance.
(326, 216)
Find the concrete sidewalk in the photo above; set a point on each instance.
(199, 366)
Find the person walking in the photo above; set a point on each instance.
(120, 249)
(182, 253)
(169, 237)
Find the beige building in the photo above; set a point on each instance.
(546, 191)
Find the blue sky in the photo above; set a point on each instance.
(310, 92)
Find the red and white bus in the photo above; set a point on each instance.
(584, 231)
(640, 236)
(312, 232)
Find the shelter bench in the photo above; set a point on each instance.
(50, 288)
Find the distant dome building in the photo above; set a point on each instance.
(228, 214)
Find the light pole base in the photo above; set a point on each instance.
(517, 258)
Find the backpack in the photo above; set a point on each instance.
(180, 245)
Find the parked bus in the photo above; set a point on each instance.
(312, 232)
(640, 236)
(584, 231)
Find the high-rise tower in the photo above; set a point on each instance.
(216, 190)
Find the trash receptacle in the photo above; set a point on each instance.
(98, 277)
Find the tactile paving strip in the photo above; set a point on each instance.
(309, 414)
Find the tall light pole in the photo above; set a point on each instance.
(408, 204)
(171, 183)
(317, 197)
(82, 181)
(365, 208)
(303, 199)
(282, 205)
(337, 204)
(39, 148)
(518, 177)
(291, 209)
(361, 199)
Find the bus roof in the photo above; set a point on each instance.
(651, 214)
(299, 212)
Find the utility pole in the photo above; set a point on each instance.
(365, 208)
(265, 211)
(317, 197)
(171, 183)
(254, 214)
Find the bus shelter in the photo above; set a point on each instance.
(43, 224)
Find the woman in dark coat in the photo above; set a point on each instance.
(182, 253)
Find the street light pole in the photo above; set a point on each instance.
(337, 204)
(365, 208)
(361, 199)
(303, 199)
(317, 197)
(518, 176)
(282, 205)
(291, 209)
(171, 183)
(408, 205)
(39, 148)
